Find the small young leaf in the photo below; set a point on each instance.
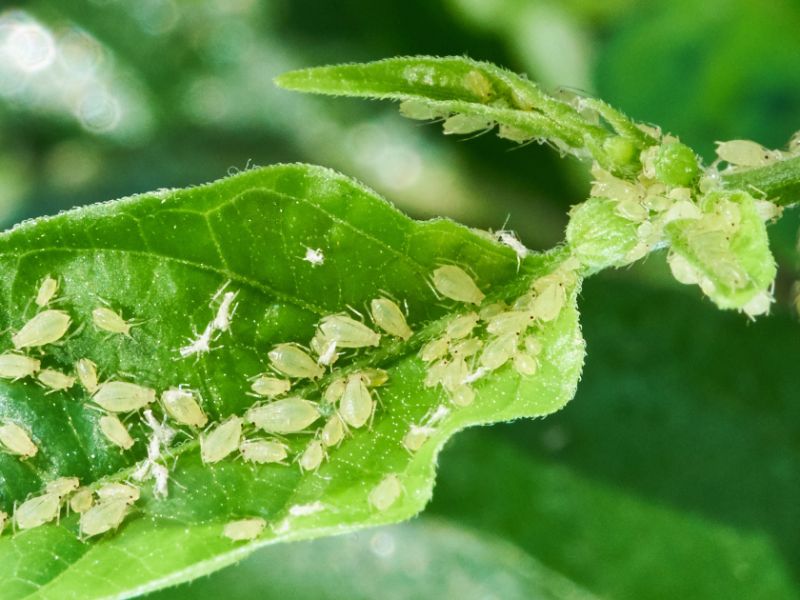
(283, 247)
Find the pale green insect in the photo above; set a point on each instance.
(435, 349)
(499, 351)
(416, 437)
(312, 456)
(608, 186)
(524, 364)
(745, 153)
(107, 319)
(221, 441)
(335, 390)
(683, 270)
(348, 333)
(121, 396)
(183, 407)
(262, 451)
(759, 305)
(462, 326)
(62, 486)
(292, 361)
(509, 132)
(244, 529)
(356, 404)
(116, 432)
(270, 386)
(465, 348)
(452, 282)
(455, 373)
(435, 373)
(385, 493)
(16, 366)
(513, 321)
(47, 290)
(532, 345)
(82, 500)
(3, 517)
(289, 415)
(118, 491)
(640, 250)
(631, 210)
(683, 209)
(333, 431)
(476, 82)
(87, 373)
(463, 395)
(420, 111)
(325, 349)
(37, 511)
(374, 377)
(549, 302)
(523, 303)
(103, 517)
(463, 124)
(388, 316)
(55, 380)
(45, 328)
(492, 310)
(17, 441)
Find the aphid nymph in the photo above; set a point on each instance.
(17, 441)
(289, 415)
(45, 328)
(385, 493)
(47, 290)
(121, 396)
(244, 529)
(388, 316)
(452, 282)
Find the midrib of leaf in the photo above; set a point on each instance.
(505, 397)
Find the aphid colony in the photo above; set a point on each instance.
(350, 401)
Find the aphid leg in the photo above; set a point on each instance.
(372, 416)
(383, 406)
(219, 292)
(356, 312)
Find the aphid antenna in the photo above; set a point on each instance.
(380, 401)
(355, 311)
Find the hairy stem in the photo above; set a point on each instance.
(779, 181)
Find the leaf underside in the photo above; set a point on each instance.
(158, 259)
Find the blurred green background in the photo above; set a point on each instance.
(675, 472)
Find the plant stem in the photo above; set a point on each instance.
(779, 181)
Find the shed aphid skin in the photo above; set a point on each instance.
(121, 396)
(463, 395)
(87, 373)
(182, 407)
(356, 405)
(16, 440)
(388, 316)
(435, 349)
(55, 380)
(462, 326)
(222, 321)
(37, 511)
(162, 433)
(103, 517)
(452, 282)
(45, 328)
(116, 432)
(16, 366)
(385, 493)
(62, 486)
(333, 432)
(325, 349)
(244, 529)
(312, 456)
(292, 361)
(108, 320)
(348, 333)
(82, 500)
(270, 386)
(201, 345)
(315, 257)
(47, 290)
(289, 415)
(263, 451)
(221, 441)
(510, 239)
(304, 510)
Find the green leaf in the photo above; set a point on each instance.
(780, 181)
(425, 558)
(159, 259)
(457, 85)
